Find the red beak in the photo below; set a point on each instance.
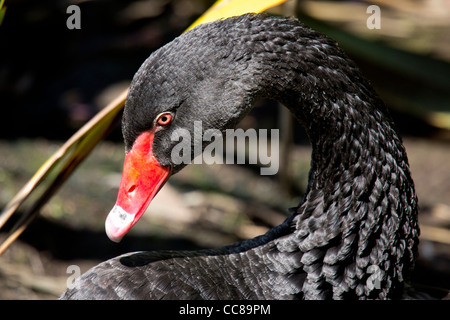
(142, 178)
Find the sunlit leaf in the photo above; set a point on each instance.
(229, 8)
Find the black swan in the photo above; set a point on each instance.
(358, 218)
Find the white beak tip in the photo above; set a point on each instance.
(118, 223)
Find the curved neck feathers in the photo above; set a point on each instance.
(359, 214)
(360, 208)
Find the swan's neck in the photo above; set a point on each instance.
(359, 215)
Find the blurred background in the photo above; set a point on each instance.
(53, 80)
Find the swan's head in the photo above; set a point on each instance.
(186, 86)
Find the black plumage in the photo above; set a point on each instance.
(360, 207)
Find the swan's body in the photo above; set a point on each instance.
(359, 214)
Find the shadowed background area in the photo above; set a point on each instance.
(52, 80)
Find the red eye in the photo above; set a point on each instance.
(164, 118)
